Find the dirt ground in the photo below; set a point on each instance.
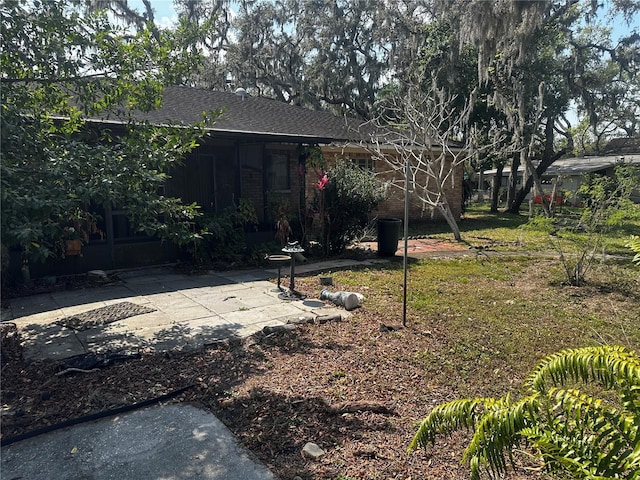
(352, 387)
(346, 386)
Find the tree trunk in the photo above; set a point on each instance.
(446, 212)
(533, 175)
(554, 193)
(513, 180)
(520, 196)
(548, 158)
(495, 191)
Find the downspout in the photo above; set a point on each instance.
(265, 185)
(110, 240)
(238, 182)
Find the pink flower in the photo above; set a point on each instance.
(324, 179)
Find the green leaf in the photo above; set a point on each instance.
(578, 435)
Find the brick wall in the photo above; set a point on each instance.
(393, 206)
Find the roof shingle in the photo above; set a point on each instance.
(250, 115)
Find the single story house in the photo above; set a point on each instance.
(255, 151)
(568, 173)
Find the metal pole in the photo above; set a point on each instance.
(292, 278)
(406, 238)
(292, 248)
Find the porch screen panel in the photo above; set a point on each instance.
(199, 186)
(252, 184)
(225, 178)
(176, 184)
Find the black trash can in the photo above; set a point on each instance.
(388, 236)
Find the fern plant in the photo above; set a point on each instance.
(634, 245)
(575, 434)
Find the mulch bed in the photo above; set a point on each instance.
(351, 387)
(10, 349)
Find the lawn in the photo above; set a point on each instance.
(495, 317)
(506, 232)
(357, 388)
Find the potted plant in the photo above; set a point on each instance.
(72, 242)
(81, 227)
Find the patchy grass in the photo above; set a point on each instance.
(476, 327)
(495, 318)
(506, 232)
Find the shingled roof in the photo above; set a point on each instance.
(258, 117)
(248, 115)
(623, 145)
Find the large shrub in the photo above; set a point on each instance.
(349, 197)
(59, 65)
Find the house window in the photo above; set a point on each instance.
(364, 161)
(123, 229)
(278, 176)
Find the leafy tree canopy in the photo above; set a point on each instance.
(537, 59)
(60, 66)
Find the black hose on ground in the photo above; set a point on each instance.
(94, 416)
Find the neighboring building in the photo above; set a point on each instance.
(569, 172)
(256, 150)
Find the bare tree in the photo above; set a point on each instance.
(422, 139)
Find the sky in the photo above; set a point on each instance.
(165, 15)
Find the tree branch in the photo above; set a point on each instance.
(50, 81)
